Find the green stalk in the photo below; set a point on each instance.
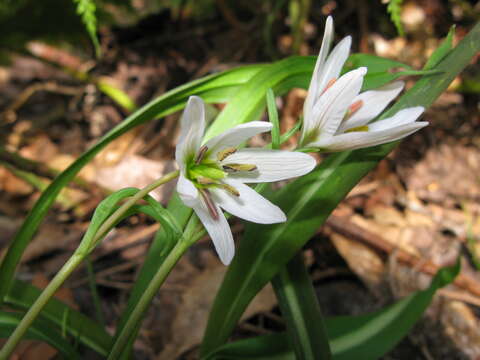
(33, 312)
(133, 322)
(79, 255)
(117, 215)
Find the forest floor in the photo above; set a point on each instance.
(416, 212)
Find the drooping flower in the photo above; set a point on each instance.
(213, 175)
(338, 117)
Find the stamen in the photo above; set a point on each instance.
(205, 180)
(222, 155)
(363, 128)
(329, 85)
(354, 108)
(231, 190)
(201, 153)
(239, 167)
(212, 208)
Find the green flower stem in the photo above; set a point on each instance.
(79, 255)
(116, 216)
(33, 312)
(191, 234)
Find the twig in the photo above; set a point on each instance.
(10, 114)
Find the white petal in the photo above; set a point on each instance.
(362, 139)
(187, 191)
(250, 205)
(330, 109)
(330, 70)
(237, 135)
(272, 165)
(219, 232)
(319, 67)
(334, 63)
(374, 102)
(192, 126)
(402, 117)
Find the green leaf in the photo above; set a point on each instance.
(367, 336)
(394, 8)
(308, 201)
(86, 9)
(213, 88)
(117, 95)
(442, 51)
(22, 295)
(103, 210)
(273, 117)
(298, 302)
(40, 330)
(108, 205)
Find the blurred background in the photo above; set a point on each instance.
(62, 88)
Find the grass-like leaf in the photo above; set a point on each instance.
(40, 330)
(367, 336)
(79, 327)
(298, 302)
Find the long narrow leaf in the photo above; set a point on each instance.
(309, 200)
(40, 330)
(80, 327)
(367, 336)
(301, 311)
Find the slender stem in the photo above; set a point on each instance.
(33, 312)
(112, 219)
(146, 298)
(190, 236)
(72, 263)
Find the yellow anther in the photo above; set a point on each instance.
(221, 155)
(230, 189)
(358, 128)
(239, 167)
(201, 153)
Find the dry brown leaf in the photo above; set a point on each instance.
(136, 171)
(192, 313)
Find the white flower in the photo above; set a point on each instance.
(337, 117)
(212, 175)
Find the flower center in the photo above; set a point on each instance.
(206, 173)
